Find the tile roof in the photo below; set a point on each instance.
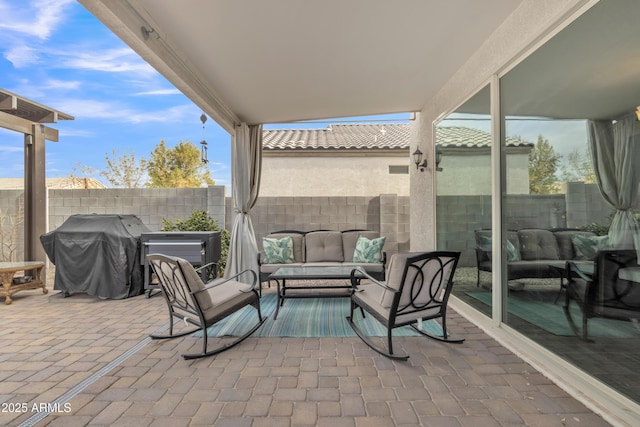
(66, 183)
(386, 136)
(465, 137)
(378, 136)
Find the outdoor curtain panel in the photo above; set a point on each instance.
(615, 149)
(246, 156)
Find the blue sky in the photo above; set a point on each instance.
(56, 53)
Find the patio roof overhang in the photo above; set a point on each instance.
(289, 60)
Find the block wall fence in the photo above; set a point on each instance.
(458, 216)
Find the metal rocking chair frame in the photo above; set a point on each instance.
(190, 300)
(410, 302)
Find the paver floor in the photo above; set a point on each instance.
(83, 361)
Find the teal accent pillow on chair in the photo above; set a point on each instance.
(587, 247)
(278, 251)
(368, 251)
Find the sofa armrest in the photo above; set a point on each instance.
(481, 257)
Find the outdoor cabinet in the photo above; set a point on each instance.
(197, 247)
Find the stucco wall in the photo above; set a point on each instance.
(332, 176)
(462, 174)
(471, 175)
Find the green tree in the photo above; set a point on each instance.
(124, 170)
(543, 165)
(579, 167)
(177, 167)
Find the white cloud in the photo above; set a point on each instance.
(118, 112)
(61, 84)
(38, 18)
(159, 92)
(92, 108)
(75, 133)
(21, 56)
(120, 60)
(7, 149)
(177, 113)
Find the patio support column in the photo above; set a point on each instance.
(35, 193)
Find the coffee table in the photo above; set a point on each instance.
(9, 269)
(282, 274)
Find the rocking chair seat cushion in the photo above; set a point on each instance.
(228, 295)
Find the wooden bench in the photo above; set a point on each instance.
(9, 269)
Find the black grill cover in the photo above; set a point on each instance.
(98, 255)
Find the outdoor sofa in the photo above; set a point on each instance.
(533, 252)
(351, 248)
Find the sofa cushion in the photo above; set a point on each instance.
(538, 244)
(324, 246)
(349, 239)
(529, 269)
(368, 251)
(278, 251)
(298, 245)
(323, 264)
(369, 267)
(587, 247)
(565, 244)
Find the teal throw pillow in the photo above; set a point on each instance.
(278, 251)
(368, 251)
(587, 247)
(512, 253)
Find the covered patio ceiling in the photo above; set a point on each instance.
(290, 60)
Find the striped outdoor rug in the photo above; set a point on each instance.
(307, 317)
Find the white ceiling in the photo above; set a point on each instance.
(287, 60)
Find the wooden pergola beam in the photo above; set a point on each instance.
(22, 115)
(18, 124)
(8, 102)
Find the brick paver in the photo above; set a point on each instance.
(51, 346)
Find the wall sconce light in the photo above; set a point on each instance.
(417, 159)
(422, 163)
(638, 112)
